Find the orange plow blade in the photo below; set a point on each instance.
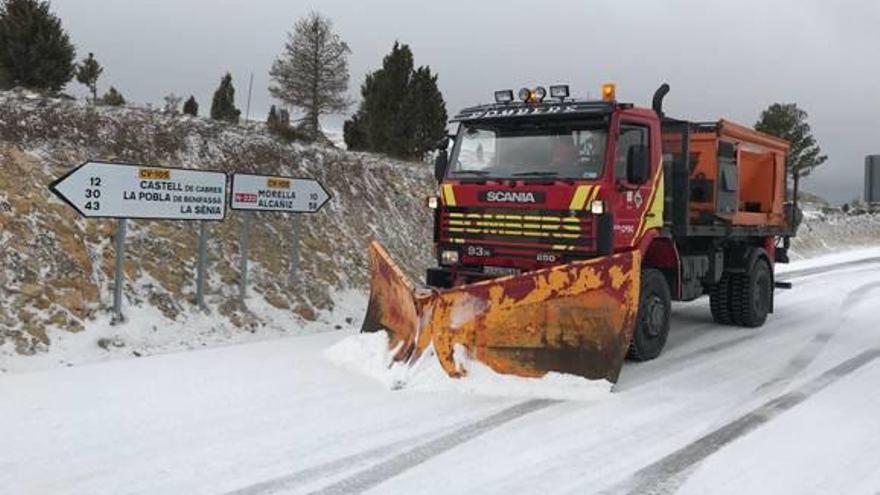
(576, 318)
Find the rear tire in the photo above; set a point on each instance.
(719, 300)
(753, 295)
(652, 321)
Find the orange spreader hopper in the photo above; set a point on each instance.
(576, 318)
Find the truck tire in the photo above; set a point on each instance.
(751, 295)
(719, 301)
(652, 321)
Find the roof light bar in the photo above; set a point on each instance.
(504, 96)
(559, 91)
(539, 93)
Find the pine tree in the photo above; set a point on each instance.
(191, 107)
(278, 123)
(312, 73)
(35, 51)
(87, 74)
(426, 113)
(223, 104)
(787, 121)
(113, 98)
(402, 112)
(272, 119)
(354, 133)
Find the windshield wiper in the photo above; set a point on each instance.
(471, 172)
(536, 173)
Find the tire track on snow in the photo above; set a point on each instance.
(665, 475)
(390, 467)
(815, 346)
(378, 474)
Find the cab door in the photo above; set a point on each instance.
(634, 142)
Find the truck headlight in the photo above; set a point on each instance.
(433, 202)
(448, 257)
(597, 207)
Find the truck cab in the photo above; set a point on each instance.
(543, 182)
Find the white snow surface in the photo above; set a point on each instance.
(839, 257)
(792, 407)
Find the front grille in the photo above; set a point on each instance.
(559, 229)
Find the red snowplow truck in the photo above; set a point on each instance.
(563, 229)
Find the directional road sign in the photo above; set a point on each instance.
(285, 194)
(120, 190)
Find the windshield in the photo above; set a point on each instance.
(572, 150)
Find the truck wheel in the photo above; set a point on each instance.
(719, 301)
(652, 321)
(752, 295)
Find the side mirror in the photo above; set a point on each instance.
(440, 164)
(638, 166)
(442, 160)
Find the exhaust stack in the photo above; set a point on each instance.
(657, 103)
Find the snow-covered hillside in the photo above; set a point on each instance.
(56, 268)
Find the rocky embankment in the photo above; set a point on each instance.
(56, 269)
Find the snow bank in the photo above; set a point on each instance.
(368, 354)
(843, 256)
(147, 331)
(831, 231)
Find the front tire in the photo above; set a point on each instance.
(652, 321)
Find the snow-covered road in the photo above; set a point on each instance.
(793, 407)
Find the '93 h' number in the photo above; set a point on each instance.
(478, 251)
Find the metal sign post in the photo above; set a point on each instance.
(243, 262)
(120, 268)
(201, 264)
(123, 191)
(282, 194)
(294, 251)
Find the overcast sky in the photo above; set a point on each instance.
(725, 59)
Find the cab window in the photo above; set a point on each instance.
(630, 135)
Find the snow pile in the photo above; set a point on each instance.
(369, 354)
(147, 331)
(831, 230)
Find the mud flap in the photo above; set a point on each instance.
(576, 318)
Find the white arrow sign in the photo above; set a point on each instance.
(286, 194)
(121, 190)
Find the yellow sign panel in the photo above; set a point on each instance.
(278, 184)
(154, 174)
